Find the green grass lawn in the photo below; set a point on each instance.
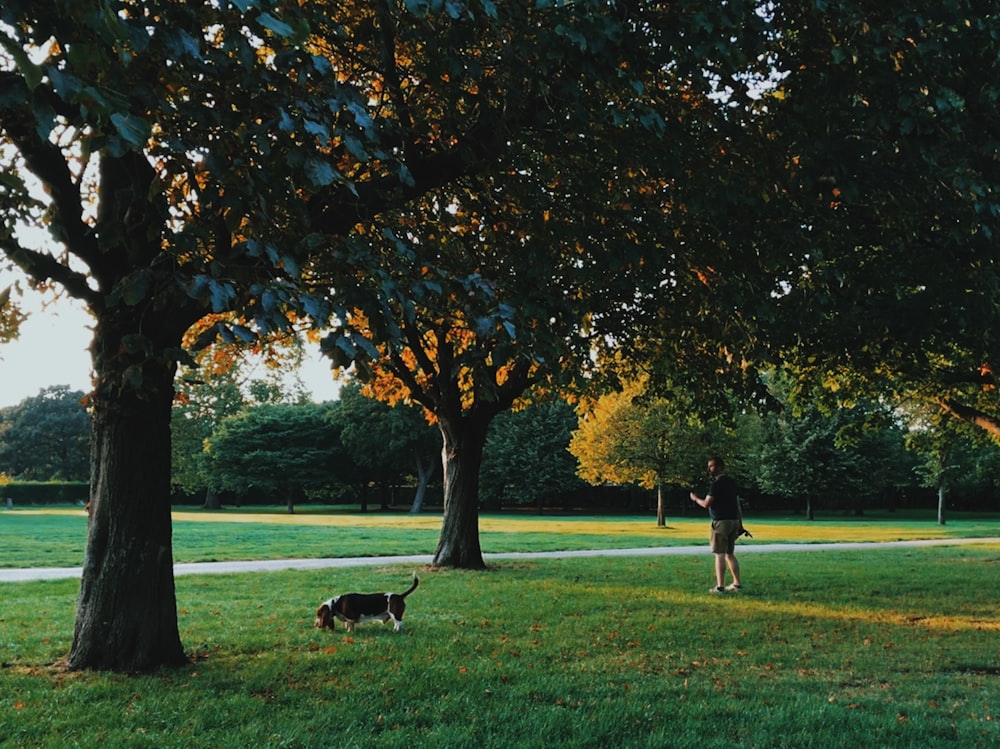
(873, 648)
(886, 648)
(35, 537)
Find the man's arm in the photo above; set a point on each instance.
(702, 501)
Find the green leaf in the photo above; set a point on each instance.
(135, 288)
(361, 116)
(357, 149)
(318, 129)
(222, 295)
(419, 8)
(180, 356)
(134, 130)
(321, 173)
(244, 333)
(32, 73)
(132, 377)
(275, 25)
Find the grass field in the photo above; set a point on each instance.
(873, 648)
(56, 537)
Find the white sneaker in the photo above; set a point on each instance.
(734, 587)
(720, 589)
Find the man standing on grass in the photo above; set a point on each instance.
(723, 505)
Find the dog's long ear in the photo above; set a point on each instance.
(322, 617)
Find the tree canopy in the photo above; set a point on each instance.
(633, 436)
(516, 275)
(281, 448)
(863, 254)
(386, 443)
(46, 437)
(527, 461)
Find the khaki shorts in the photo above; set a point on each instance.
(723, 536)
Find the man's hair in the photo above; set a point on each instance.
(718, 461)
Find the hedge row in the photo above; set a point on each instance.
(45, 492)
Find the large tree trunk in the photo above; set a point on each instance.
(661, 511)
(461, 458)
(127, 611)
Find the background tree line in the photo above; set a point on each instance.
(263, 442)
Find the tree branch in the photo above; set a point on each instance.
(419, 394)
(336, 212)
(42, 267)
(46, 161)
(973, 416)
(387, 44)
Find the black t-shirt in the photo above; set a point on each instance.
(725, 502)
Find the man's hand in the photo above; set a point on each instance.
(701, 502)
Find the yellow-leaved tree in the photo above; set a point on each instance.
(630, 437)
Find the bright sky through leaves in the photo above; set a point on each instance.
(52, 350)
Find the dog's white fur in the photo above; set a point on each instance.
(352, 608)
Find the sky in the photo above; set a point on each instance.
(52, 350)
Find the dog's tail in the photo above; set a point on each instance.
(413, 587)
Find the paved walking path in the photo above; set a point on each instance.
(271, 565)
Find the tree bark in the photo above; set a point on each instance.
(213, 500)
(127, 610)
(973, 416)
(461, 457)
(424, 473)
(364, 497)
(661, 512)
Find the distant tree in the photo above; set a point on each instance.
(955, 459)
(280, 448)
(46, 437)
(228, 379)
(849, 455)
(386, 443)
(977, 483)
(198, 408)
(634, 438)
(527, 459)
